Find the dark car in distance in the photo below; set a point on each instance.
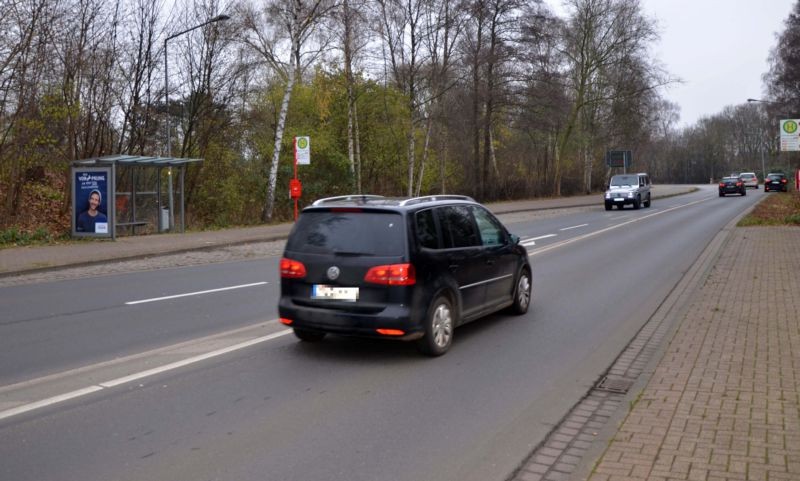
(731, 185)
(399, 268)
(775, 182)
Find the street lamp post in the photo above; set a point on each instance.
(218, 18)
(760, 143)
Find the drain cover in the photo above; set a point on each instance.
(613, 384)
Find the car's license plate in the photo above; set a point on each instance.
(619, 199)
(320, 291)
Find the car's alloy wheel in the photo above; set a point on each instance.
(522, 297)
(439, 326)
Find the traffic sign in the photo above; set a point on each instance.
(302, 150)
(790, 135)
(619, 158)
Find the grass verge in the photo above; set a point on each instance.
(778, 208)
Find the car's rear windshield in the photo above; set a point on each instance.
(620, 180)
(348, 233)
(775, 176)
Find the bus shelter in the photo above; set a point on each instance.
(127, 194)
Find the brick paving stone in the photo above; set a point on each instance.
(526, 476)
(724, 401)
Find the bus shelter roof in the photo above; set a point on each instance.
(135, 160)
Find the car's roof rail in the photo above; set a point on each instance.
(340, 198)
(432, 198)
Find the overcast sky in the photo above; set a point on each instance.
(718, 48)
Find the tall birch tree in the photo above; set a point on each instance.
(280, 33)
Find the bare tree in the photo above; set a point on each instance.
(600, 36)
(23, 46)
(139, 87)
(446, 22)
(281, 33)
(402, 30)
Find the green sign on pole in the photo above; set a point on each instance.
(619, 158)
(790, 135)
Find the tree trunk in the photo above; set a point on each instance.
(348, 69)
(425, 150)
(276, 153)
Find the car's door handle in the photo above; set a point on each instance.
(489, 262)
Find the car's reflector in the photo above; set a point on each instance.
(390, 332)
(288, 322)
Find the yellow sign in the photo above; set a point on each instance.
(790, 137)
(302, 150)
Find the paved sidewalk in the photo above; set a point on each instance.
(724, 401)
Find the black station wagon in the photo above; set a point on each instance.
(408, 269)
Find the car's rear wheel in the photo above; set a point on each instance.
(439, 325)
(522, 295)
(308, 336)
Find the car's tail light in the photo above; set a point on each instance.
(288, 322)
(738, 184)
(783, 181)
(292, 269)
(392, 275)
(722, 184)
(390, 332)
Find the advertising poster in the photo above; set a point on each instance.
(91, 197)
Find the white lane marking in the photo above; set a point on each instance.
(155, 299)
(573, 227)
(136, 376)
(592, 234)
(48, 402)
(532, 241)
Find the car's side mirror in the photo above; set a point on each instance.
(514, 239)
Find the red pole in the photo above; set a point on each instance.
(295, 176)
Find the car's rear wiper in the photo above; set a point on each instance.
(350, 254)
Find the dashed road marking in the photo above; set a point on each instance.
(198, 293)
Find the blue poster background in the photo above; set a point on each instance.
(86, 182)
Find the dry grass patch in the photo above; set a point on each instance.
(778, 208)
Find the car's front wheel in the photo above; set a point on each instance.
(439, 325)
(522, 295)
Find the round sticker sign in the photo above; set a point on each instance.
(302, 142)
(790, 126)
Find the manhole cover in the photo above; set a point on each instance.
(612, 384)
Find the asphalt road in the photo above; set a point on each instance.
(345, 408)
